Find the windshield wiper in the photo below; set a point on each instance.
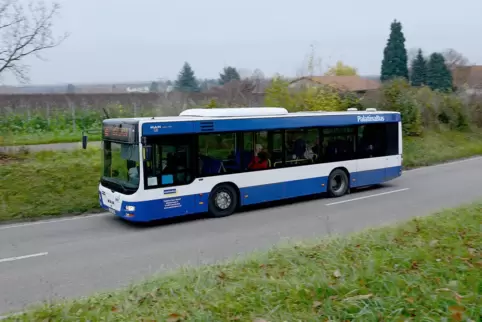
(117, 183)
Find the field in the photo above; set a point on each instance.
(427, 269)
(36, 185)
(38, 129)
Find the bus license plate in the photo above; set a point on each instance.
(112, 211)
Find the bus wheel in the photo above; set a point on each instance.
(337, 183)
(223, 201)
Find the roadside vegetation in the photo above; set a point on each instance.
(429, 269)
(439, 125)
(42, 184)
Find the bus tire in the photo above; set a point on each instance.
(338, 183)
(223, 201)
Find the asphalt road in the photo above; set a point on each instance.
(76, 257)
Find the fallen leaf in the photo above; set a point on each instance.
(410, 300)
(471, 251)
(316, 304)
(433, 243)
(457, 312)
(337, 273)
(359, 297)
(174, 317)
(457, 316)
(456, 308)
(414, 265)
(114, 309)
(222, 275)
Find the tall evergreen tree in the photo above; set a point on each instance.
(438, 75)
(186, 81)
(419, 70)
(394, 63)
(229, 73)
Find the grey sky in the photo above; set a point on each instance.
(141, 40)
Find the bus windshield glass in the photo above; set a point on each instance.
(120, 168)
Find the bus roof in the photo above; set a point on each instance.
(251, 118)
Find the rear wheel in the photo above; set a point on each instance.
(337, 183)
(223, 201)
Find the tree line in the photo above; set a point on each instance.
(434, 71)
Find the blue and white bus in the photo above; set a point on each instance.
(217, 160)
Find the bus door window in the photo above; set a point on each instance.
(171, 161)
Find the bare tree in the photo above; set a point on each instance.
(453, 58)
(25, 30)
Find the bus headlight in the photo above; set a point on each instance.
(130, 208)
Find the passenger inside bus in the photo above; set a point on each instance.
(260, 159)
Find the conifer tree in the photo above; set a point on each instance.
(394, 63)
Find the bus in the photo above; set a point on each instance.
(217, 160)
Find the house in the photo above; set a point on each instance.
(357, 84)
(469, 77)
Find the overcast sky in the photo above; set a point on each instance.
(142, 40)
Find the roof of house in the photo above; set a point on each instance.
(349, 83)
(468, 75)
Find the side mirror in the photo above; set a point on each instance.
(147, 152)
(84, 141)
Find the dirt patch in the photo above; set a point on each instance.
(6, 158)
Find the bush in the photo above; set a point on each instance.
(308, 98)
(422, 108)
(452, 112)
(399, 96)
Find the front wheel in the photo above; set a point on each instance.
(223, 201)
(337, 183)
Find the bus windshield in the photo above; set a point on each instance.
(120, 167)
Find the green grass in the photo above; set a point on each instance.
(427, 269)
(436, 147)
(58, 183)
(49, 183)
(45, 138)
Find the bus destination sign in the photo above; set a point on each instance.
(121, 132)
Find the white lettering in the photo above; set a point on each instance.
(369, 118)
(172, 203)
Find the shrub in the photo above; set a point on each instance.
(397, 95)
(308, 98)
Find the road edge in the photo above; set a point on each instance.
(99, 211)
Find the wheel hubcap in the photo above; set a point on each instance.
(223, 200)
(337, 183)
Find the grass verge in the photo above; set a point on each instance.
(58, 183)
(49, 183)
(426, 269)
(437, 147)
(45, 138)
